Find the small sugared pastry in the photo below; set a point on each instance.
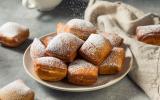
(13, 34)
(64, 46)
(95, 49)
(50, 68)
(114, 62)
(37, 49)
(81, 72)
(149, 34)
(114, 39)
(78, 27)
(16, 90)
(46, 40)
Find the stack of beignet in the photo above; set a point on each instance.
(78, 56)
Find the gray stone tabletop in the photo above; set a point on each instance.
(11, 67)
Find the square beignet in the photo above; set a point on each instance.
(81, 72)
(50, 68)
(79, 27)
(95, 49)
(13, 34)
(114, 62)
(149, 34)
(37, 49)
(16, 90)
(64, 46)
(114, 39)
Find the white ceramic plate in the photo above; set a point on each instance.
(102, 82)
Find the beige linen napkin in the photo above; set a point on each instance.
(120, 18)
(16, 90)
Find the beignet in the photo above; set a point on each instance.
(78, 27)
(50, 68)
(64, 46)
(149, 34)
(95, 49)
(114, 39)
(13, 34)
(37, 49)
(16, 90)
(81, 72)
(114, 62)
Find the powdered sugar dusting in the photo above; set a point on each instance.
(114, 39)
(79, 65)
(51, 62)
(81, 24)
(95, 43)
(142, 30)
(64, 44)
(16, 90)
(12, 29)
(115, 58)
(37, 49)
(96, 48)
(97, 40)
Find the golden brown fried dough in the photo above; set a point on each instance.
(13, 34)
(16, 90)
(64, 46)
(149, 34)
(50, 68)
(95, 49)
(37, 49)
(114, 39)
(114, 62)
(78, 27)
(81, 72)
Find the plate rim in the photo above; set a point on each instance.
(81, 89)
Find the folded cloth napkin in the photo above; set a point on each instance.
(121, 18)
(16, 90)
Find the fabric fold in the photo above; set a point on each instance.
(121, 18)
